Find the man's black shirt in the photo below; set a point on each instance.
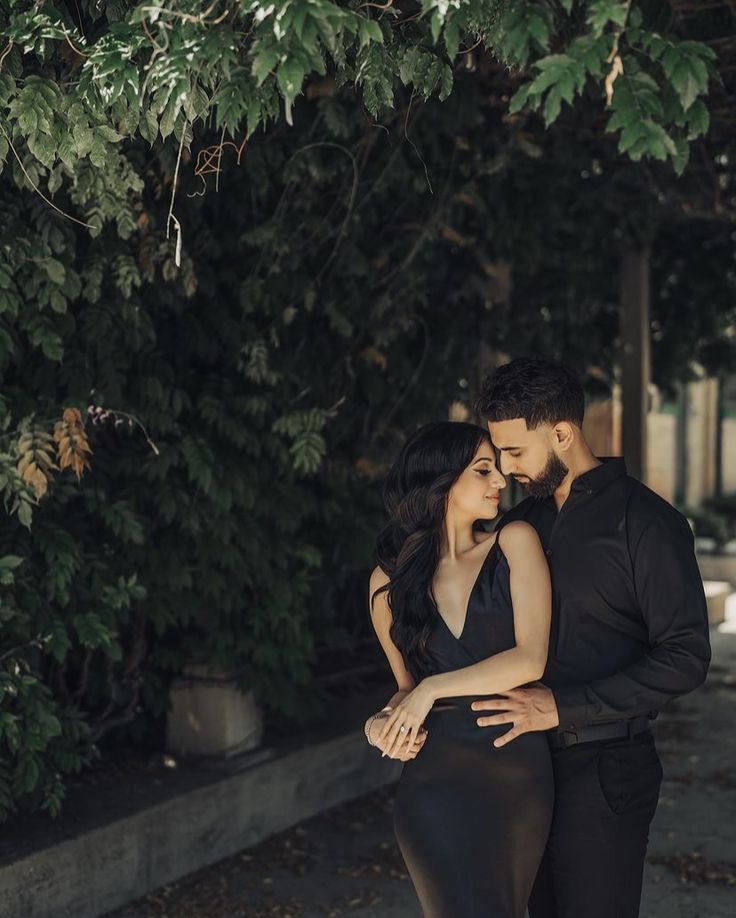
(629, 617)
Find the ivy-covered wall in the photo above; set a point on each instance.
(248, 327)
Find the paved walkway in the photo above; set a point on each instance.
(345, 862)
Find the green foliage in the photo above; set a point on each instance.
(41, 740)
(159, 70)
(654, 83)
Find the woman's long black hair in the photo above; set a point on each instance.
(408, 548)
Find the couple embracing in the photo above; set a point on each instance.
(531, 659)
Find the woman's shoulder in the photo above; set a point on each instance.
(379, 578)
(517, 535)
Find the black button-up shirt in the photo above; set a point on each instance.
(629, 617)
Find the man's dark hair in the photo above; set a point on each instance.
(538, 390)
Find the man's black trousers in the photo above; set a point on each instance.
(605, 797)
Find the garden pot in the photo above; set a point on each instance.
(210, 716)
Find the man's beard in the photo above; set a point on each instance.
(548, 481)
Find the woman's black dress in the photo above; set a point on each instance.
(472, 820)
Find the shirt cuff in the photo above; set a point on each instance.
(572, 706)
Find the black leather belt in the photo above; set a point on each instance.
(624, 729)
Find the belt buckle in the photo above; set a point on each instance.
(569, 738)
(636, 721)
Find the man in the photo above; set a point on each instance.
(629, 632)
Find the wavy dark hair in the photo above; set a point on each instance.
(408, 548)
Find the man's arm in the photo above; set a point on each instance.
(669, 591)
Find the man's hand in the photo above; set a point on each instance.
(527, 709)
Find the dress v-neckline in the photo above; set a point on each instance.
(470, 595)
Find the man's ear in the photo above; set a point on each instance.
(564, 434)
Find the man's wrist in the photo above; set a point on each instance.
(554, 712)
(571, 704)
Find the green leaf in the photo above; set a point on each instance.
(42, 147)
(108, 133)
(55, 270)
(646, 137)
(91, 630)
(264, 62)
(83, 140)
(656, 46)
(58, 642)
(168, 118)
(290, 77)
(435, 24)
(538, 29)
(370, 31)
(25, 514)
(698, 119)
(688, 82)
(520, 98)
(552, 104)
(446, 82)
(98, 153)
(148, 126)
(682, 155)
(601, 12)
(452, 35)
(553, 68)
(11, 562)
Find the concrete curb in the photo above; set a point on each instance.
(102, 869)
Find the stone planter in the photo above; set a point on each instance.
(717, 593)
(718, 567)
(209, 715)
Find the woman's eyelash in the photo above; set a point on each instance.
(483, 471)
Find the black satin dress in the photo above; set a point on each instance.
(472, 820)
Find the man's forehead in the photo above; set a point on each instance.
(509, 434)
(505, 429)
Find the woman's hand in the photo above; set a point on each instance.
(401, 728)
(406, 754)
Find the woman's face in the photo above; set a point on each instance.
(477, 492)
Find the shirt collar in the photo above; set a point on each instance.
(597, 478)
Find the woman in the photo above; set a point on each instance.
(461, 613)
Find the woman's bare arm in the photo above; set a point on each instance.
(381, 618)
